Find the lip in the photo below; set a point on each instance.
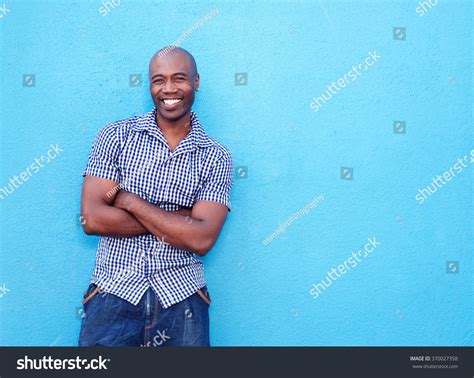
(173, 106)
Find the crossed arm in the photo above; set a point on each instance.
(125, 214)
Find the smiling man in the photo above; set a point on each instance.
(157, 191)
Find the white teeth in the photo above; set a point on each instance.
(171, 102)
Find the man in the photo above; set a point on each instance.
(157, 191)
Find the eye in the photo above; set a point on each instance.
(180, 78)
(158, 81)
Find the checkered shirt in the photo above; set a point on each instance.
(135, 154)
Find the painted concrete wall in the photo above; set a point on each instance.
(337, 113)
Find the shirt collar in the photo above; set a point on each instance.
(197, 137)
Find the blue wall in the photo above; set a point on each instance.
(414, 289)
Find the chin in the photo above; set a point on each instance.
(174, 115)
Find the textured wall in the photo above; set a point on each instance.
(414, 288)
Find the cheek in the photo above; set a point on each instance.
(187, 88)
(190, 93)
(154, 90)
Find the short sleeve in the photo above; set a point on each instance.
(103, 156)
(219, 182)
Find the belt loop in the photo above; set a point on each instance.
(204, 297)
(91, 295)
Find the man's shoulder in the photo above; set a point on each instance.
(218, 150)
(121, 128)
(127, 123)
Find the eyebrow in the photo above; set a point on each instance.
(175, 74)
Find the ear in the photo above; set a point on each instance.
(196, 82)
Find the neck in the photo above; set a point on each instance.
(176, 129)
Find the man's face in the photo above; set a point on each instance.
(172, 85)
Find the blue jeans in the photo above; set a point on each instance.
(111, 321)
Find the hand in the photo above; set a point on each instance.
(124, 199)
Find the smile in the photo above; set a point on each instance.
(171, 101)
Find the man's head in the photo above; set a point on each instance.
(173, 80)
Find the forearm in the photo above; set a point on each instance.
(176, 229)
(106, 220)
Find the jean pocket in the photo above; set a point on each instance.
(204, 294)
(90, 292)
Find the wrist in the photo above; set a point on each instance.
(131, 202)
(126, 200)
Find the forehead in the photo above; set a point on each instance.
(170, 63)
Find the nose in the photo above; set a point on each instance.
(169, 86)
